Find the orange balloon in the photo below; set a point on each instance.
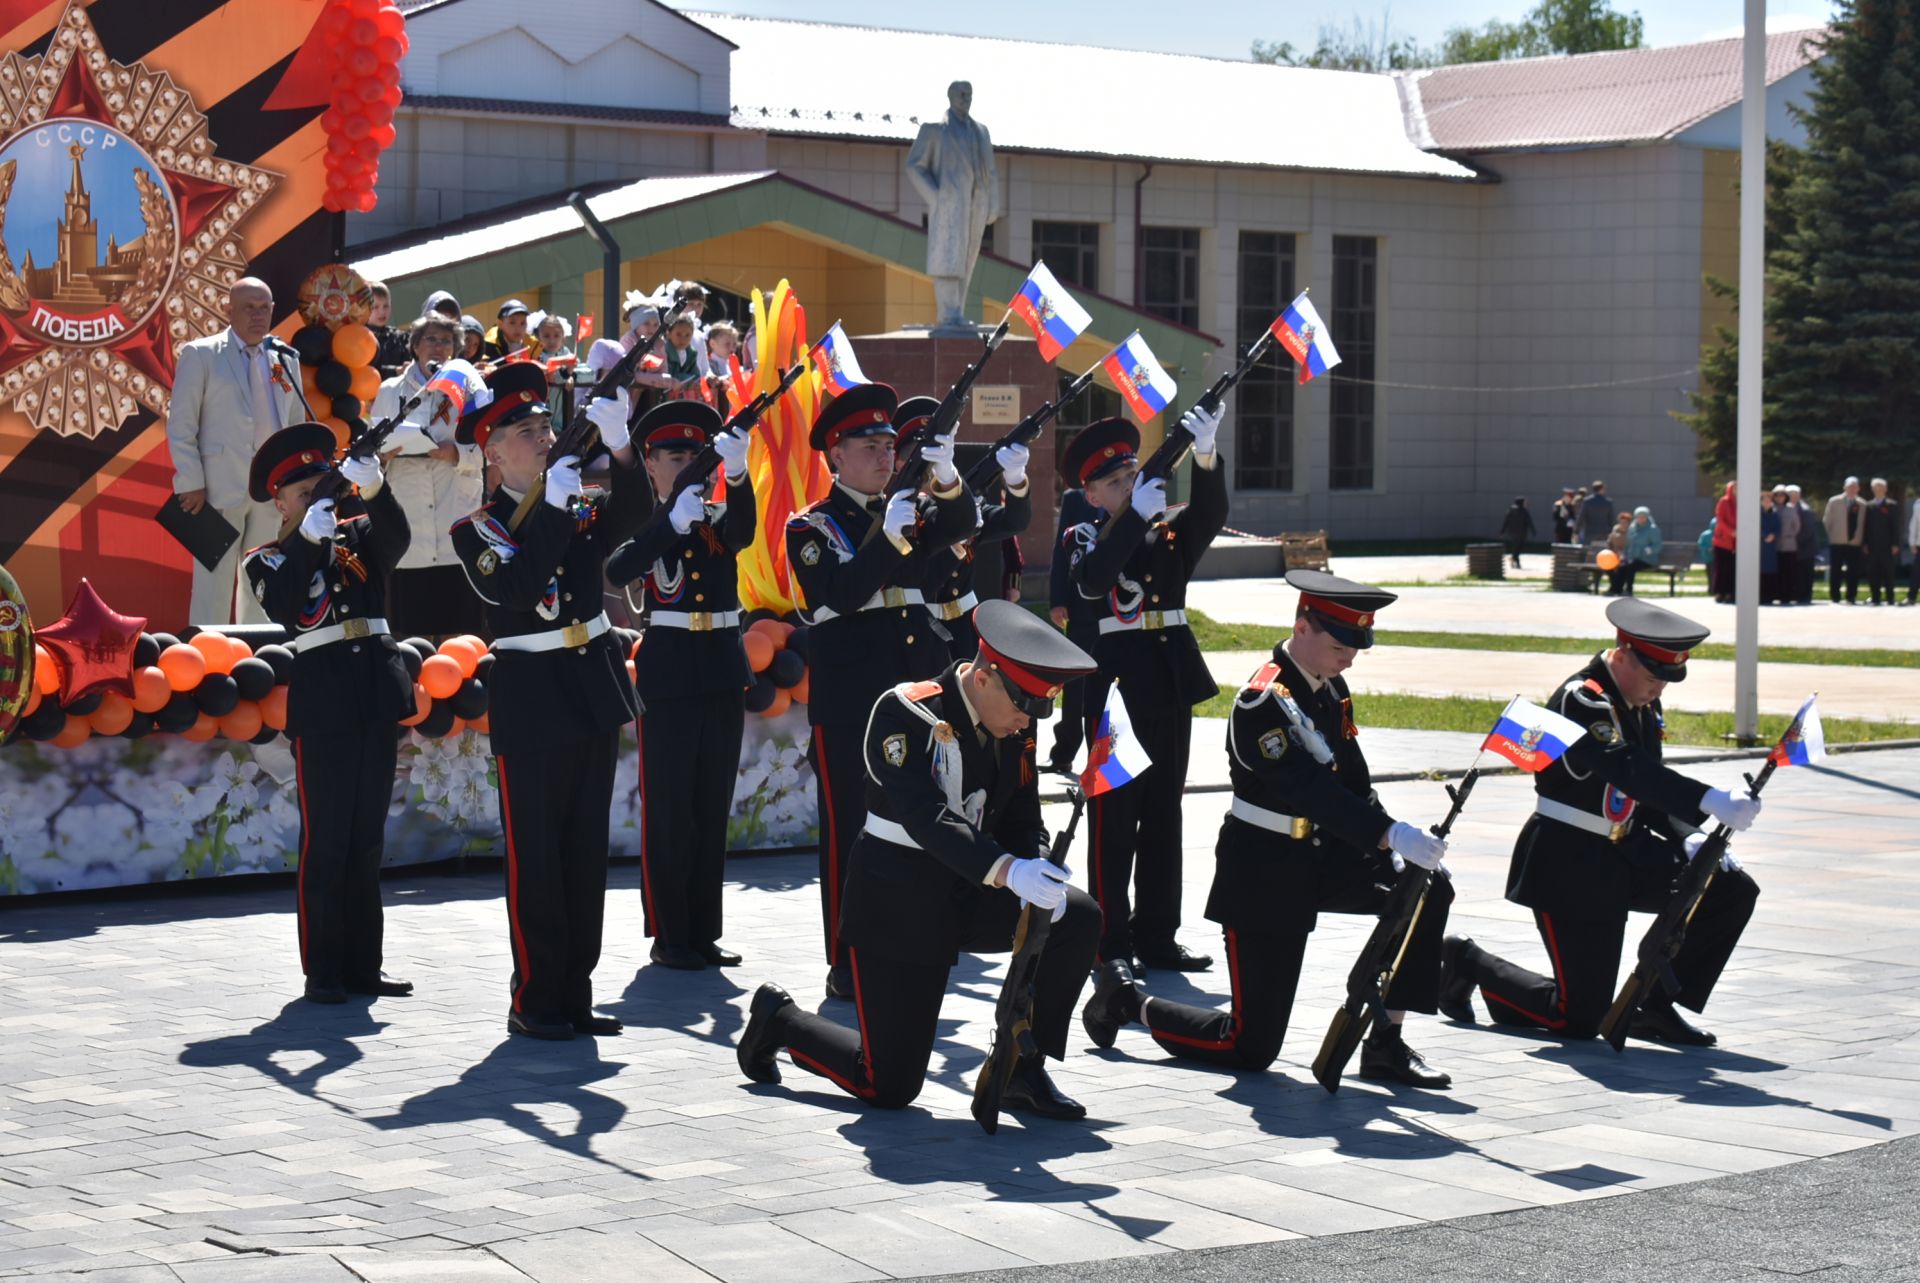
(481, 725)
(77, 731)
(341, 432)
(114, 715)
(463, 652)
(800, 688)
(310, 383)
(237, 650)
(213, 647)
(366, 383)
(441, 676)
(273, 708)
(202, 730)
(1607, 560)
(774, 630)
(33, 702)
(151, 690)
(759, 650)
(355, 345)
(184, 666)
(46, 671)
(244, 722)
(422, 705)
(782, 701)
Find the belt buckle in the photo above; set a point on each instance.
(1302, 828)
(893, 596)
(575, 635)
(1154, 619)
(354, 629)
(1618, 832)
(700, 621)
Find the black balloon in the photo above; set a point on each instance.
(411, 658)
(164, 640)
(314, 343)
(333, 379)
(439, 721)
(786, 670)
(798, 641)
(139, 727)
(761, 694)
(180, 712)
(254, 677)
(280, 659)
(346, 406)
(420, 646)
(146, 651)
(217, 694)
(481, 669)
(84, 706)
(47, 721)
(470, 701)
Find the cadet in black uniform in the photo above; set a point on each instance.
(1080, 618)
(953, 813)
(949, 587)
(1612, 828)
(863, 597)
(1133, 564)
(1305, 835)
(693, 675)
(558, 693)
(325, 582)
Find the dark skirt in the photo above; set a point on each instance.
(434, 601)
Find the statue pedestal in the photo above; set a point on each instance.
(1016, 382)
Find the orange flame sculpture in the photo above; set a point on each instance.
(788, 474)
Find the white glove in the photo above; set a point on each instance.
(1735, 810)
(1013, 464)
(365, 473)
(1205, 427)
(732, 449)
(1694, 841)
(319, 523)
(609, 414)
(900, 515)
(563, 481)
(939, 452)
(1149, 496)
(690, 507)
(1415, 846)
(1041, 883)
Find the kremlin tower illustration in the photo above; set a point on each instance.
(79, 278)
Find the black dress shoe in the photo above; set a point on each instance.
(1664, 1024)
(1115, 1002)
(1457, 978)
(1032, 1092)
(1385, 1057)
(1175, 958)
(840, 983)
(676, 957)
(760, 1041)
(714, 956)
(595, 1025)
(330, 995)
(384, 988)
(547, 1031)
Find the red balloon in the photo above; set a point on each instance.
(389, 50)
(363, 61)
(93, 644)
(337, 20)
(332, 121)
(363, 8)
(393, 96)
(365, 201)
(384, 135)
(378, 114)
(368, 149)
(390, 21)
(357, 127)
(387, 73)
(370, 91)
(363, 32)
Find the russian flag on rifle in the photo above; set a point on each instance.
(1116, 755)
(1805, 741)
(833, 355)
(1301, 331)
(1531, 737)
(462, 385)
(1053, 315)
(1147, 388)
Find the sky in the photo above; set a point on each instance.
(1228, 30)
(40, 194)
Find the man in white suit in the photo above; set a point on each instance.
(231, 391)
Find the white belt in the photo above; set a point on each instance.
(556, 638)
(346, 630)
(695, 621)
(952, 610)
(1150, 620)
(1586, 822)
(888, 831)
(1293, 826)
(881, 600)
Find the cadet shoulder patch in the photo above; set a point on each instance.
(1602, 732)
(810, 552)
(894, 749)
(1273, 745)
(487, 562)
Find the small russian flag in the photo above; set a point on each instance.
(462, 385)
(1116, 755)
(833, 356)
(1805, 741)
(1147, 388)
(1301, 331)
(1531, 737)
(1053, 315)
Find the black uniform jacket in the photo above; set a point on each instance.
(1613, 771)
(539, 579)
(1263, 880)
(692, 573)
(1127, 567)
(856, 654)
(919, 903)
(303, 586)
(950, 570)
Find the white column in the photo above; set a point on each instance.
(1753, 249)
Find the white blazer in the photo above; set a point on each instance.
(210, 424)
(434, 495)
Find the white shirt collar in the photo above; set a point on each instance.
(1315, 683)
(860, 497)
(966, 699)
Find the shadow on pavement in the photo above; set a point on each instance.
(327, 1032)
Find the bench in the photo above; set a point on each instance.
(1676, 559)
(1304, 550)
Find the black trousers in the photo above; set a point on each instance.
(555, 804)
(1136, 831)
(345, 782)
(1264, 968)
(689, 761)
(1786, 579)
(884, 1060)
(1723, 574)
(837, 754)
(1881, 568)
(1584, 953)
(1843, 561)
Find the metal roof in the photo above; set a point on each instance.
(571, 110)
(805, 78)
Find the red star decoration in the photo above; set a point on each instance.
(94, 644)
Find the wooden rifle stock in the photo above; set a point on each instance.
(580, 436)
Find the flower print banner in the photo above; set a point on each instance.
(117, 812)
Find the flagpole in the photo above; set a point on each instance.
(1753, 232)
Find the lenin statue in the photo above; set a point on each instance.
(951, 166)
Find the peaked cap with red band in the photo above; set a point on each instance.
(1342, 607)
(1098, 449)
(294, 453)
(1035, 658)
(910, 420)
(863, 411)
(677, 425)
(519, 389)
(1658, 638)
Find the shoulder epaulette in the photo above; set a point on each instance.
(1594, 686)
(919, 690)
(1263, 678)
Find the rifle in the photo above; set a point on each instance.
(987, 471)
(1379, 962)
(367, 444)
(702, 465)
(1661, 944)
(1178, 441)
(912, 474)
(580, 437)
(1013, 1013)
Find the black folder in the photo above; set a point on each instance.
(206, 534)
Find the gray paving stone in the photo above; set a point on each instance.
(760, 1253)
(597, 1258)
